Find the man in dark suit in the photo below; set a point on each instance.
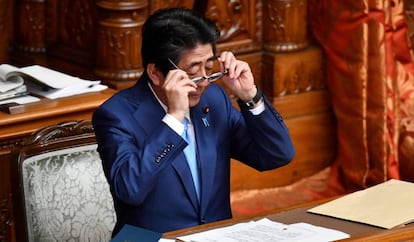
(139, 130)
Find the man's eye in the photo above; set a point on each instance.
(209, 70)
(195, 71)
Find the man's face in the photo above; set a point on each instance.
(198, 62)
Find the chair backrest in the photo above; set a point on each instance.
(62, 192)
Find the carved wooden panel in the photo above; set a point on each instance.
(102, 38)
(293, 72)
(285, 24)
(239, 22)
(70, 30)
(157, 4)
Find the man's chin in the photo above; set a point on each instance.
(194, 100)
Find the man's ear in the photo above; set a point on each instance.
(155, 74)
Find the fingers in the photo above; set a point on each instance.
(177, 87)
(178, 81)
(234, 67)
(240, 79)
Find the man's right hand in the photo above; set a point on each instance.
(177, 86)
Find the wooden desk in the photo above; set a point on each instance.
(46, 112)
(15, 127)
(359, 232)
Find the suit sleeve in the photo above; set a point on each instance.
(133, 157)
(263, 141)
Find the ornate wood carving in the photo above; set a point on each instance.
(293, 73)
(104, 35)
(286, 25)
(290, 64)
(118, 40)
(72, 129)
(70, 30)
(76, 20)
(30, 24)
(239, 22)
(157, 4)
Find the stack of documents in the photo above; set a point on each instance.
(45, 82)
(265, 230)
(10, 85)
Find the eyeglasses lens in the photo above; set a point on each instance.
(211, 78)
(214, 77)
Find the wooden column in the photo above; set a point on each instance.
(118, 60)
(286, 25)
(290, 63)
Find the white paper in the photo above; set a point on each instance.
(52, 78)
(16, 92)
(321, 233)
(68, 91)
(21, 100)
(44, 82)
(9, 83)
(265, 230)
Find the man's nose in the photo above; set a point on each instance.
(203, 72)
(204, 81)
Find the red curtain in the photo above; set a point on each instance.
(370, 75)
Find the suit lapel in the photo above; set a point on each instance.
(152, 110)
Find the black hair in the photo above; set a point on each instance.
(167, 33)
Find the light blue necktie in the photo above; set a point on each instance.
(190, 154)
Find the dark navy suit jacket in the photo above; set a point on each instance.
(146, 168)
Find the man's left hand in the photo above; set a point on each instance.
(239, 79)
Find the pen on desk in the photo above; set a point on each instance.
(92, 85)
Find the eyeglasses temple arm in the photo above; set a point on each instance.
(172, 63)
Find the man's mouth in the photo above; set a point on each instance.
(194, 94)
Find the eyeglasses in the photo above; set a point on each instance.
(210, 78)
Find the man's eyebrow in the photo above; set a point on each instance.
(213, 58)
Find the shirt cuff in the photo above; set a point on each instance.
(259, 109)
(173, 123)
